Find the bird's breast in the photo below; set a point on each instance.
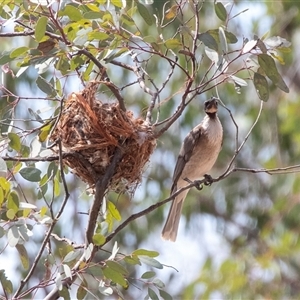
(205, 152)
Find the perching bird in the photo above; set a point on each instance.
(197, 156)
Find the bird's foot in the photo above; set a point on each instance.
(208, 179)
(198, 184)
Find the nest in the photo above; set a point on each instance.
(90, 132)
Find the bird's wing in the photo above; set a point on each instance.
(185, 153)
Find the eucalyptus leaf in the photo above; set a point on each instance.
(150, 261)
(152, 294)
(145, 253)
(31, 174)
(261, 86)
(40, 28)
(23, 256)
(45, 86)
(13, 236)
(14, 141)
(208, 40)
(145, 14)
(220, 11)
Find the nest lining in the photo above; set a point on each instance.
(90, 131)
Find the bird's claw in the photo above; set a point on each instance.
(208, 179)
(198, 185)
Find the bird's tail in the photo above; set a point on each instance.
(170, 229)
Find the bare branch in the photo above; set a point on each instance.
(244, 141)
(101, 187)
(48, 234)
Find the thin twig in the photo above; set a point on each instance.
(150, 209)
(48, 234)
(243, 142)
(101, 187)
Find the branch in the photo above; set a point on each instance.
(245, 139)
(274, 171)
(48, 234)
(150, 209)
(101, 187)
(104, 75)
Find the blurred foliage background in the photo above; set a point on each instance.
(238, 238)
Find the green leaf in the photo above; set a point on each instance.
(95, 271)
(13, 201)
(261, 86)
(117, 3)
(116, 267)
(72, 12)
(81, 291)
(150, 262)
(40, 28)
(45, 86)
(221, 11)
(71, 256)
(1, 197)
(172, 43)
(98, 239)
(4, 185)
(5, 283)
(158, 283)
(31, 174)
(115, 276)
(13, 236)
(45, 130)
(145, 14)
(133, 260)
(18, 52)
(267, 63)
(208, 40)
(165, 295)
(56, 187)
(145, 253)
(5, 58)
(25, 151)
(14, 141)
(230, 37)
(114, 211)
(23, 256)
(92, 15)
(35, 115)
(97, 35)
(148, 275)
(64, 293)
(10, 213)
(152, 294)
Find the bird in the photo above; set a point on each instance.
(198, 154)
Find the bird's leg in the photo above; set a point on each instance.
(197, 183)
(208, 179)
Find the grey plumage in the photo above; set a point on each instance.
(197, 156)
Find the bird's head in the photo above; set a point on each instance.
(211, 106)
